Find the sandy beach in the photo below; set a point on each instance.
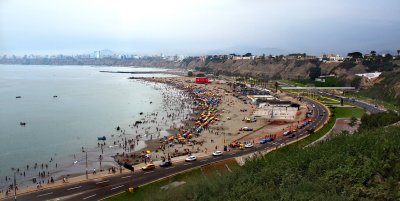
(227, 116)
(195, 119)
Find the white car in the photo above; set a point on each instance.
(313, 105)
(190, 158)
(217, 153)
(249, 145)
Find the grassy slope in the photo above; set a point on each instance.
(349, 112)
(192, 177)
(359, 166)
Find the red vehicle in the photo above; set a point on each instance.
(234, 144)
(202, 80)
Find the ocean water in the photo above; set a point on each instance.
(88, 104)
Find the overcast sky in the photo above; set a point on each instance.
(197, 26)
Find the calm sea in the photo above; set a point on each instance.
(88, 104)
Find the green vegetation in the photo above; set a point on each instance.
(385, 90)
(293, 83)
(327, 100)
(379, 120)
(343, 112)
(314, 73)
(362, 166)
(149, 191)
(329, 82)
(192, 177)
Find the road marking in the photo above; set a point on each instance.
(204, 160)
(169, 168)
(125, 177)
(45, 194)
(148, 172)
(89, 197)
(76, 187)
(100, 182)
(117, 187)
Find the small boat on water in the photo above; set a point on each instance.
(141, 113)
(138, 122)
(101, 138)
(18, 97)
(55, 96)
(22, 123)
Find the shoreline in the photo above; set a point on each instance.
(226, 117)
(74, 164)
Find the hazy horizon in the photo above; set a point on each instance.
(197, 27)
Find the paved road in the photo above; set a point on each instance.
(369, 107)
(101, 188)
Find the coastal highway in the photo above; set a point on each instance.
(369, 107)
(361, 104)
(95, 189)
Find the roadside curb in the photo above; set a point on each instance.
(162, 178)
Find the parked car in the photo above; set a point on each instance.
(265, 140)
(165, 164)
(217, 153)
(249, 145)
(190, 158)
(287, 133)
(245, 129)
(148, 167)
(292, 136)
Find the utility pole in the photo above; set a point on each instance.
(87, 176)
(15, 187)
(224, 139)
(100, 158)
(132, 177)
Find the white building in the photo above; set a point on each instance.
(370, 75)
(277, 113)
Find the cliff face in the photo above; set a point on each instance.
(285, 69)
(271, 69)
(267, 68)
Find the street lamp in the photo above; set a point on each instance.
(132, 169)
(15, 187)
(100, 158)
(87, 174)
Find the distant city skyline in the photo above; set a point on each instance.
(186, 27)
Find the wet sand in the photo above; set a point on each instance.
(178, 115)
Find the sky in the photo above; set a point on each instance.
(195, 27)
